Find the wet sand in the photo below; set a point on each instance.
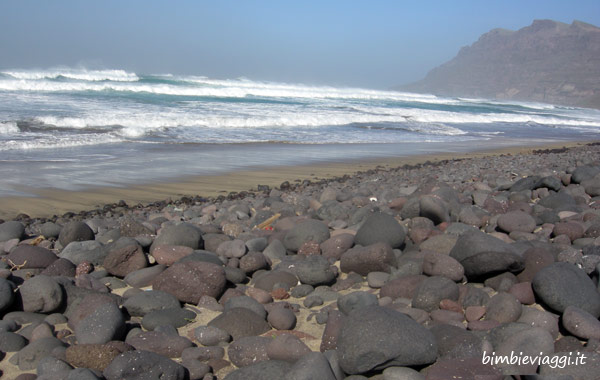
(49, 202)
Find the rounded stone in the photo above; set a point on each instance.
(30, 256)
(192, 280)
(75, 231)
(432, 290)
(41, 294)
(560, 285)
(356, 300)
(185, 234)
(581, 323)
(148, 301)
(11, 230)
(377, 337)
(211, 335)
(503, 307)
(122, 261)
(309, 230)
(142, 364)
(380, 228)
(516, 221)
(439, 264)
(282, 318)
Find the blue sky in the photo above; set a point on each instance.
(351, 43)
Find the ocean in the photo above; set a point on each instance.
(75, 128)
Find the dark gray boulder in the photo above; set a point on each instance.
(184, 234)
(375, 338)
(265, 370)
(560, 285)
(380, 228)
(11, 230)
(481, 254)
(75, 231)
(309, 230)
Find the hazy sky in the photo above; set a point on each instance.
(352, 43)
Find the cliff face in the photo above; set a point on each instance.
(548, 61)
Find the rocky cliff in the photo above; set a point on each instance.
(548, 61)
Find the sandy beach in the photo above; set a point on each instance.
(49, 202)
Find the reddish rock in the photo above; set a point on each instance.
(524, 292)
(535, 260)
(95, 356)
(336, 245)
(474, 313)
(169, 254)
(447, 304)
(573, 230)
(332, 331)
(377, 257)
(309, 248)
(280, 294)
(122, 261)
(403, 287)
(84, 268)
(169, 345)
(29, 256)
(192, 280)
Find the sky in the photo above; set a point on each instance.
(376, 44)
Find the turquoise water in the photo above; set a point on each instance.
(68, 126)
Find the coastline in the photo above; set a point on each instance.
(47, 202)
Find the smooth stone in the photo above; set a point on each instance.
(75, 231)
(28, 357)
(140, 365)
(81, 251)
(581, 323)
(7, 294)
(148, 301)
(480, 254)
(533, 342)
(211, 335)
(380, 228)
(313, 365)
(378, 257)
(587, 371)
(503, 307)
(523, 291)
(185, 234)
(336, 245)
(122, 261)
(30, 256)
(376, 338)
(540, 318)
(104, 324)
(11, 230)
(175, 317)
(169, 345)
(190, 281)
(281, 318)
(287, 347)
(309, 230)
(356, 300)
(41, 294)
(439, 264)
(240, 322)
(516, 221)
(560, 285)
(170, 254)
(402, 373)
(456, 343)
(11, 342)
(253, 261)
(376, 280)
(60, 267)
(311, 270)
(246, 302)
(432, 290)
(267, 280)
(469, 368)
(264, 370)
(248, 350)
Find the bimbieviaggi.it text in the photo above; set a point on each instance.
(553, 361)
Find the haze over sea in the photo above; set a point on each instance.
(75, 128)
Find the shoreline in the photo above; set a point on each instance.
(48, 202)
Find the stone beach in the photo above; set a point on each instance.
(409, 272)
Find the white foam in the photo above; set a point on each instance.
(50, 141)
(77, 74)
(8, 127)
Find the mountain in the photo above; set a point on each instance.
(548, 61)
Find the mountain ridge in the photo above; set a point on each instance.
(547, 61)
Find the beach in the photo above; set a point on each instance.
(447, 256)
(48, 202)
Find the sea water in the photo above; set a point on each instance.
(74, 128)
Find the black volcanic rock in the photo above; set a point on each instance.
(548, 61)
